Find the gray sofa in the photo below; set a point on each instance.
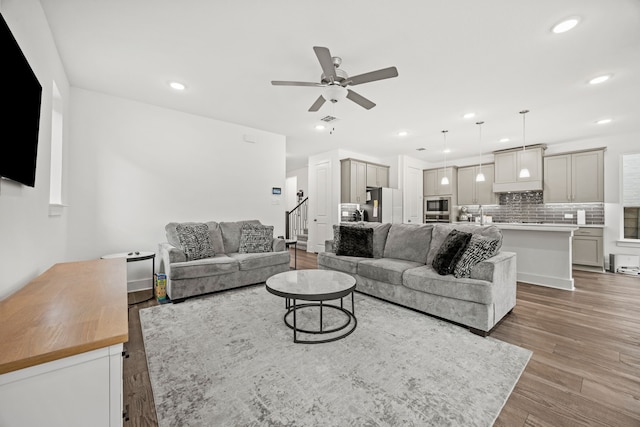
(226, 269)
(401, 272)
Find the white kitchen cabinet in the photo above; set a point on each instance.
(432, 179)
(588, 247)
(508, 164)
(471, 192)
(377, 175)
(576, 177)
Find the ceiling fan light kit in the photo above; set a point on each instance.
(336, 81)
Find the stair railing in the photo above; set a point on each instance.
(296, 219)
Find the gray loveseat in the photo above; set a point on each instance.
(401, 272)
(226, 269)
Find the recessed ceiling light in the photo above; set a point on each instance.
(469, 116)
(565, 25)
(319, 127)
(603, 121)
(177, 86)
(446, 150)
(403, 133)
(504, 140)
(599, 79)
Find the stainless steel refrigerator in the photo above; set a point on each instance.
(383, 205)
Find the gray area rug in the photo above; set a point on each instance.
(228, 359)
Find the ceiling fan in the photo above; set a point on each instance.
(336, 80)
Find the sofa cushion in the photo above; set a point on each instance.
(355, 241)
(380, 231)
(255, 238)
(387, 270)
(451, 251)
(214, 266)
(215, 234)
(440, 232)
(346, 264)
(479, 249)
(426, 279)
(194, 240)
(409, 242)
(231, 234)
(252, 261)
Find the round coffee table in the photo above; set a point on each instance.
(317, 286)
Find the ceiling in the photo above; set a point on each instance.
(490, 57)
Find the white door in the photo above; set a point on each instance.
(320, 209)
(412, 199)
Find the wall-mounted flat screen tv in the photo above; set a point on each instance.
(21, 96)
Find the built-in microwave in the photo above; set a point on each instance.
(437, 205)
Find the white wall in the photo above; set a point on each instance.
(135, 167)
(30, 240)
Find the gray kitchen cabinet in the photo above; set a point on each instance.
(432, 178)
(377, 175)
(353, 181)
(588, 247)
(576, 177)
(471, 192)
(508, 164)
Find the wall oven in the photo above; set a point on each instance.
(437, 209)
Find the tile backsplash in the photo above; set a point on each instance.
(530, 207)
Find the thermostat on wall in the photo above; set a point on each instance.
(276, 190)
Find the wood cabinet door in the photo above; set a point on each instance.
(383, 176)
(358, 182)
(467, 185)
(587, 177)
(505, 168)
(588, 251)
(430, 182)
(557, 179)
(372, 175)
(484, 190)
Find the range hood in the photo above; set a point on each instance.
(517, 187)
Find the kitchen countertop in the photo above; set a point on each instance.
(536, 226)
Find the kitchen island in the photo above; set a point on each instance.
(543, 252)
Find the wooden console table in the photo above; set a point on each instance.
(62, 337)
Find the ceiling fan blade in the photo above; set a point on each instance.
(326, 62)
(385, 73)
(288, 83)
(360, 100)
(316, 105)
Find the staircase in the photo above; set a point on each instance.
(296, 224)
(302, 240)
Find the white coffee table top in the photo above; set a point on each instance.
(311, 285)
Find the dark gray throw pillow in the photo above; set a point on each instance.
(355, 241)
(450, 252)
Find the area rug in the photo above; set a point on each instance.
(228, 359)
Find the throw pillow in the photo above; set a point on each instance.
(355, 241)
(255, 238)
(450, 252)
(195, 240)
(479, 249)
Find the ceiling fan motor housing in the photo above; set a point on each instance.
(341, 76)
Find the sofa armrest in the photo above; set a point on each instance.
(328, 246)
(278, 244)
(168, 255)
(496, 267)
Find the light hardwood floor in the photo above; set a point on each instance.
(585, 368)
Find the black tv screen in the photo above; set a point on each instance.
(20, 118)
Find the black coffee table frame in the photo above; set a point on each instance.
(317, 299)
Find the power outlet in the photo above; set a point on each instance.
(568, 216)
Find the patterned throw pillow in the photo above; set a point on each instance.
(450, 252)
(479, 249)
(355, 241)
(195, 240)
(256, 238)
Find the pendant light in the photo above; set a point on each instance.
(445, 180)
(524, 172)
(480, 176)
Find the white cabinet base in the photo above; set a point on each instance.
(81, 390)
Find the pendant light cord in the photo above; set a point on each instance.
(444, 133)
(524, 113)
(480, 142)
